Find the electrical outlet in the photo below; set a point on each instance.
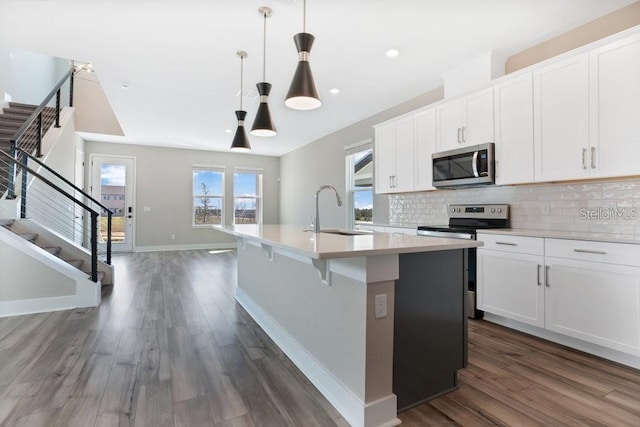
(173, 237)
(381, 306)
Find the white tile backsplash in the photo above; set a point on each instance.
(611, 207)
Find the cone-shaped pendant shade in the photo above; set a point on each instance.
(263, 124)
(240, 140)
(303, 94)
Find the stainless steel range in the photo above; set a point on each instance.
(464, 220)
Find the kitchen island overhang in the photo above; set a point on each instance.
(314, 295)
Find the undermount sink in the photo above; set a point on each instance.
(345, 232)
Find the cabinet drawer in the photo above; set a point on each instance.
(507, 243)
(612, 253)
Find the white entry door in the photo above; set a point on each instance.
(112, 183)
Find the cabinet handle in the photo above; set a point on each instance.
(506, 243)
(459, 139)
(463, 138)
(546, 276)
(390, 181)
(539, 269)
(588, 251)
(593, 157)
(584, 158)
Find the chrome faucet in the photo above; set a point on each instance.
(316, 223)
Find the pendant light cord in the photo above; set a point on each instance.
(241, 72)
(304, 16)
(264, 49)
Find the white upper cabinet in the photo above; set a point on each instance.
(466, 121)
(561, 119)
(614, 91)
(394, 156)
(425, 140)
(513, 100)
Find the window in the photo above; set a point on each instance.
(359, 173)
(247, 194)
(208, 196)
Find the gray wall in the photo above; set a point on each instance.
(322, 162)
(28, 77)
(164, 183)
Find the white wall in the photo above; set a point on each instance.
(322, 162)
(164, 184)
(28, 77)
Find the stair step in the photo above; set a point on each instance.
(7, 223)
(18, 111)
(8, 133)
(14, 117)
(77, 263)
(29, 236)
(9, 124)
(53, 250)
(100, 275)
(21, 105)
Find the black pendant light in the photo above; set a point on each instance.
(263, 124)
(303, 94)
(240, 140)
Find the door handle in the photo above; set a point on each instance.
(546, 276)
(506, 243)
(463, 138)
(539, 270)
(584, 158)
(593, 157)
(588, 251)
(459, 139)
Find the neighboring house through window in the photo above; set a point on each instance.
(247, 196)
(359, 174)
(208, 195)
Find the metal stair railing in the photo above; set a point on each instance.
(25, 169)
(29, 136)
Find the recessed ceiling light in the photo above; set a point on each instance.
(392, 53)
(227, 130)
(334, 91)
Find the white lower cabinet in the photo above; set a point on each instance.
(581, 289)
(510, 277)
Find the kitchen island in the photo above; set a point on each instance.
(329, 301)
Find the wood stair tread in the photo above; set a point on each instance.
(77, 263)
(54, 250)
(29, 236)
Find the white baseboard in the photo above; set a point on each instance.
(380, 413)
(39, 305)
(188, 247)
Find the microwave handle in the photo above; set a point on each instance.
(474, 164)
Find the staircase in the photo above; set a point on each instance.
(76, 257)
(11, 119)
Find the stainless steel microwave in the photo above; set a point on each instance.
(464, 167)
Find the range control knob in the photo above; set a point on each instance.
(499, 210)
(493, 210)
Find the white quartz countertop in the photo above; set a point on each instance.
(568, 235)
(299, 239)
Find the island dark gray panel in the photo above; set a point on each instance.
(430, 325)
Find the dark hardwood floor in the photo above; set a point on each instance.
(169, 346)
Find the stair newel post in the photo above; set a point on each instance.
(109, 217)
(94, 246)
(39, 129)
(11, 183)
(58, 108)
(71, 88)
(23, 190)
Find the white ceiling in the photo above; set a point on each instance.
(179, 57)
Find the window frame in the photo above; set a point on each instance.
(195, 196)
(349, 151)
(259, 198)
